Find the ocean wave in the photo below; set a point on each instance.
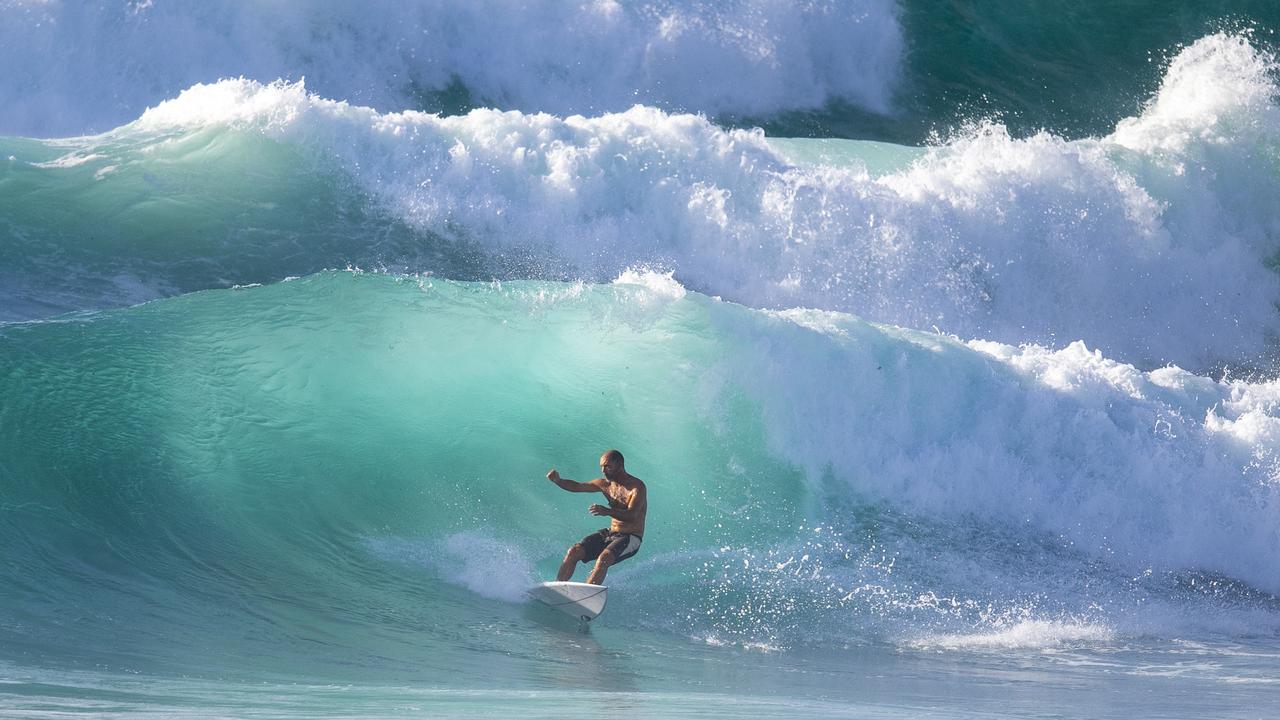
(806, 469)
(591, 56)
(1154, 244)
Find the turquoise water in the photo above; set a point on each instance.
(333, 485)
(954, 386)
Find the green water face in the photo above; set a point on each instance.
(344, 473)
(247, 457)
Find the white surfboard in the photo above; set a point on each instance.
(581, 600)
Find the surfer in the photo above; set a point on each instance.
(628, 505)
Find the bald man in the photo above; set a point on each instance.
(628, 505)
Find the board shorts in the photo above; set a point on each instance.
(622, 545)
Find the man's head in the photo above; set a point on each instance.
(611, 464)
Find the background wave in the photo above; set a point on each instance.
(871, 69)
(590, 56)
(1155, 243)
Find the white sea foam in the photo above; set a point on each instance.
(1118, 241)
(1214, 91)
(69, 160)
(1151, 249)
(583, 56)
(1024, 635)
(662, 284)
(471, 560)
(1158, 468)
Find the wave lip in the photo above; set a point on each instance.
(1213, 92)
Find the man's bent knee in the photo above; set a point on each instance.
(575, 553)
(606, 558)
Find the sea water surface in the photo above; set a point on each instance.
(945, 338)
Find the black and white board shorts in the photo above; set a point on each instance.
(622, 545)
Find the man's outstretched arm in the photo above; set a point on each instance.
(571, 486)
